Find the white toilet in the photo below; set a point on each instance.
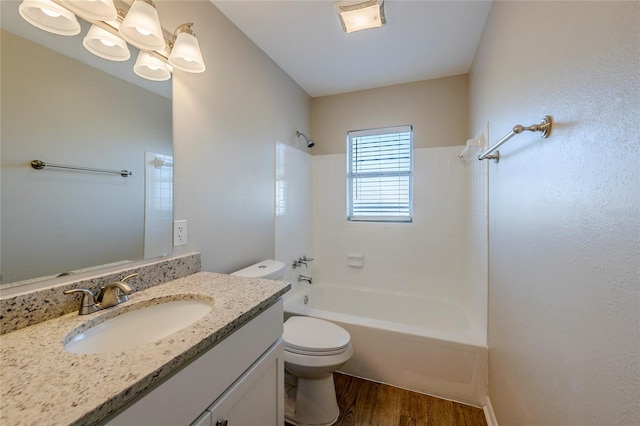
(313, 350)
(268, 269)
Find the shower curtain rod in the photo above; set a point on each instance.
(544, 127)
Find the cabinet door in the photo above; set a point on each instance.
(257, 398)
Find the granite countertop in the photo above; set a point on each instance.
(41, 383)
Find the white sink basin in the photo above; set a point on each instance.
(139, 326)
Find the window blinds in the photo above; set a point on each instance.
(379, 175)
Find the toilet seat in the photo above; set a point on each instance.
(312, 353)
(314, 337)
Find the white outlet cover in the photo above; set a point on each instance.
(179, 232)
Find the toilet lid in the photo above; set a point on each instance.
(314, 335)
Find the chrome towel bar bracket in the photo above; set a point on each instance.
(544, 127)
(39, 165)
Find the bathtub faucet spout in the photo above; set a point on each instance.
(305, 278)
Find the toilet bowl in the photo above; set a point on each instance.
(313, 350)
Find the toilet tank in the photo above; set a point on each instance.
(268, 269)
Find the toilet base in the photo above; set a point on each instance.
(312, 402)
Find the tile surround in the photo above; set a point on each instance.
(293, 236)
(441, 254)
(427, 257)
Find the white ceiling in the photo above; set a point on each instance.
(422, 40)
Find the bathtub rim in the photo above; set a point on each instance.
(472, 337)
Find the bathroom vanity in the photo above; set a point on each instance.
(240, 381)
(226, 366)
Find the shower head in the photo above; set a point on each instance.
(310, 143)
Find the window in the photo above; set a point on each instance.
(379, 174)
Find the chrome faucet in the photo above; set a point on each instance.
(305, 278)
(114, 293)
(301, 261)
(110, 295)
(88, 304)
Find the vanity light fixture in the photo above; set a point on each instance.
(98, 10)
(141, 26)
(357, 15)
(49, 16)
(152, 68)
(113, 22)
(185, 52)
(102, 43)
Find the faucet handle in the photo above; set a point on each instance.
(88, 304)
(135, 274)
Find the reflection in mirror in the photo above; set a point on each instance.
(59, 110)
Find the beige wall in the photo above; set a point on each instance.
(437, 109)
(226, 121)
(564, 346)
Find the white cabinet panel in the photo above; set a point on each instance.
(203, 420)
(257, 398)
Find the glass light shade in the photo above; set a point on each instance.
(97, 10)
(149, 67)
(186, 55)
(49, 16)
(141, 27)
(102, 43)
(361, 16)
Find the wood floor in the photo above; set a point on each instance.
(366, 403)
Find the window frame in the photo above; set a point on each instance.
(353, 176)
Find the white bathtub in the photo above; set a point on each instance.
(422, 344)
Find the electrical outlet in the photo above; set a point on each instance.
(179, 232)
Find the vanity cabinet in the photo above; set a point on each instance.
(240, 380)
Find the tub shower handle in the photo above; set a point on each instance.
(301, 261)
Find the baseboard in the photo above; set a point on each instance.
(489, 415)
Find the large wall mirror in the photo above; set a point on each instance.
(60, 110)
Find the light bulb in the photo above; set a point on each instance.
(49, 16)
(92, 10)
(141, 27)
(106, 45)
(149, 67)
(185, 54)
